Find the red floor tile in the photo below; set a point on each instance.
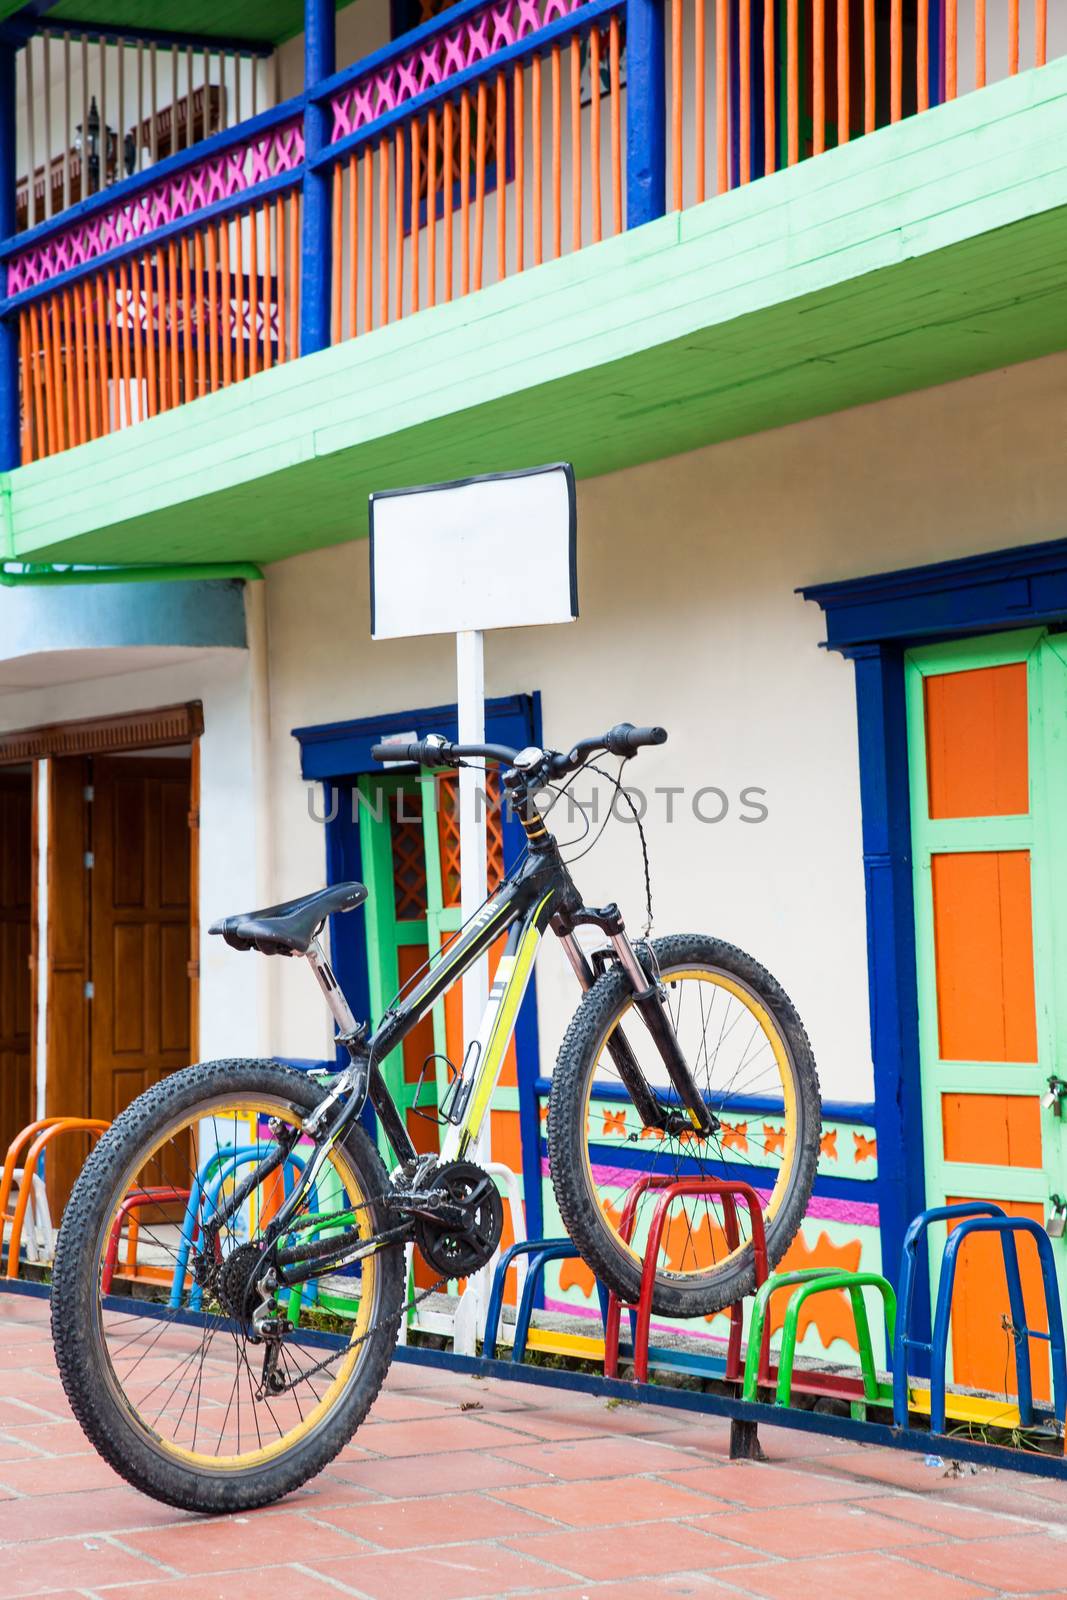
(760, 1484)
(403, 1477)
(1013, 1563)
(814, 1530)
(852, 1577)
(463, 1431)
(553, 1425)
(256, 1583)
(404, 1406)
(674, 1585)
(18, 1413)
(944, 1518)
(598, 1504)
(31, 1569)
(459, 1572)
(59, 1476)
(644, 1549)
(43, 1438)
(103, 1511)
(224, 1544)
(596, 1458)
(439, 1520)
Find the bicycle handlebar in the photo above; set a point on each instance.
(624, 741)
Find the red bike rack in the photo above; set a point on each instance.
(135, 1201)
(728, 1191)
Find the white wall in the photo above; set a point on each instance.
(687, 569)
(232, 998)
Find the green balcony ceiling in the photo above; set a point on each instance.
(258, 21)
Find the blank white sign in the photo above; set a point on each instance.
(492, 552)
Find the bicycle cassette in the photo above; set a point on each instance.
(465, 1241)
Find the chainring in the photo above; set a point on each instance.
(455, 1250)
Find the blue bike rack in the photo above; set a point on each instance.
(977, 1216)
(221, 1165)
(541, 1252)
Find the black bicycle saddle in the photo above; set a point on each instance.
(288, 929)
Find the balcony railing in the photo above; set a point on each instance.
(502, 134)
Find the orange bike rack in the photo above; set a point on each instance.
(45, 1130)
(7, 1177)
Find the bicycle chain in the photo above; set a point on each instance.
(320, 1366)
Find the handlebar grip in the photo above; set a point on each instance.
(625, 740)
(431, 752)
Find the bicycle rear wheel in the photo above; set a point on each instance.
(149, 1310)
(752, 1062)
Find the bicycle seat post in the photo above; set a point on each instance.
(349, 1031)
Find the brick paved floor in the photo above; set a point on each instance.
(462, 1488)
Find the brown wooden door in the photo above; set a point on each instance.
(16, 1008)
(140, 915)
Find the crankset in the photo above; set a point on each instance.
(458, 1218)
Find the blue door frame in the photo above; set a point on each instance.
(873, 620)
(335, 754)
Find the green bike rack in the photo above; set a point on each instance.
(813, 1281)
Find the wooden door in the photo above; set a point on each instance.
(16, 1009)
(140, 917)
(67, 1011)
(987, 729)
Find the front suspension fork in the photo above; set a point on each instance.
(651, 1003)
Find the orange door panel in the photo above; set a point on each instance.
(996, 1130)
(983, 1351)
(984, 956)
(976, 742)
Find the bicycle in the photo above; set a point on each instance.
(246, 1181)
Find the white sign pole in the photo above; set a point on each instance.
(473, 880)
(470, 676)
(452, 558)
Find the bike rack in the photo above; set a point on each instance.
(977, 1216)
(540, 1253)
(808, 1282)
(42, 1133)
(216, 1170)
(728, 1191)
(135, 1201)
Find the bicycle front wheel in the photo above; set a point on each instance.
(150, 1294)
(752, 1062)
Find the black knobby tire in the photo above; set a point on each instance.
(599, 1245)
(79, 1345)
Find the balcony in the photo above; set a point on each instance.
(491, 142)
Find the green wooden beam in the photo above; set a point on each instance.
(925, 252)
(266, 21)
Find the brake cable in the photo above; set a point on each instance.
(620, 789)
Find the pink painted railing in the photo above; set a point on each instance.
(429, 64)
(168, 199)
(492, 147)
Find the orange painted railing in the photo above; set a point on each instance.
(754, 86)
(519, 167)
(185, 317)
(42, 1135)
